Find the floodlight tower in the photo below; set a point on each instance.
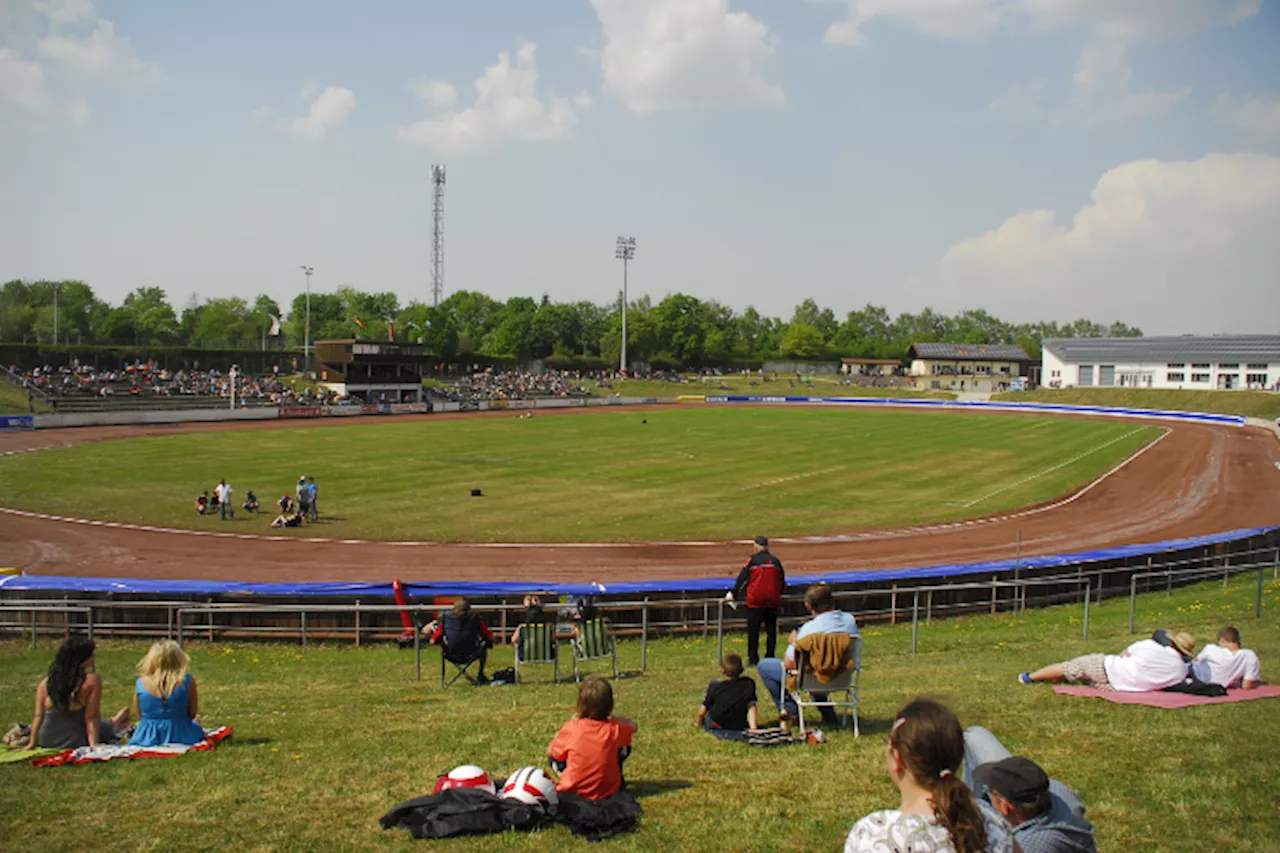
(437, 234)
(625, 252)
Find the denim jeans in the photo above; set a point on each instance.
(982, 747)
(772, 675)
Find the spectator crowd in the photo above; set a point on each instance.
(147, 379)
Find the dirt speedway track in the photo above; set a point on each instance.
(1197, 480)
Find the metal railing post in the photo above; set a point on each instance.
(303, 622)
(417, 649)
(168, 628)
(915, 620)
(644, 636)
(178, 617)
(1133, 600)
(357, 623)
(928, 608)
(720, 630)
(994, 590)
(1086, 609)
(893, 606)
(33, 629)
(1257, 605)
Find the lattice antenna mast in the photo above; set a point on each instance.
(437, 234)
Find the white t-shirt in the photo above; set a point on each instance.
(1145, 665)
(891, 831)
(1217, 665)
(217, 492)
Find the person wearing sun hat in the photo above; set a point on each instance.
(1145, 665)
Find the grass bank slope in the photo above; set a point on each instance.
(328, 739)
(1254, 404)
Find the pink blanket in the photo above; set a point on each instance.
(91, 754)
(1165, 699)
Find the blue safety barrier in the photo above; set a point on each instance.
(9, 423)
(146, 586)
(1059, 408)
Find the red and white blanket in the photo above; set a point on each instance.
(89, 754)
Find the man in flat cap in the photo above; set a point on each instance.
(1046, 816)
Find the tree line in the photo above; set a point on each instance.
(678, 330)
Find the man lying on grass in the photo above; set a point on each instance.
(1145, 665)
(1226, 664)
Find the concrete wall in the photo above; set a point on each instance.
(265, 413)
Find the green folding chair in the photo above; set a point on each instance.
(594, 642)
(538, 644)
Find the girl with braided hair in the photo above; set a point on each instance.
(939, 813)
(69, 701)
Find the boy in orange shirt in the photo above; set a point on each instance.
(589, 750)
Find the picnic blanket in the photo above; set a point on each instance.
(25, 755)
(470, 811)
(1166, 699)
(91, 754)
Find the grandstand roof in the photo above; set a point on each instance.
(970, 352)
(1176, 349)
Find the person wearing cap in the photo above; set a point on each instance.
(1146, 665)
(303, 495)
(1046, 816)
(760, 584)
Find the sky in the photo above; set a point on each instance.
(1040, 159)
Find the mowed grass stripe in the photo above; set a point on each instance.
(662, 474)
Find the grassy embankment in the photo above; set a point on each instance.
(328, 739)
(1255, 404)
(678, 472)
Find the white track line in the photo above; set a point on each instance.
(790, 540)
(831, 470)
(1039, 474)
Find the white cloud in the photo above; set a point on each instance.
(51, 48)
(1102, 84)
(507, 106)
(685, 54)
(1257, 116)
(22, 84)
(437, 93)
(329, 110)
(99, 55)
(1170, 246)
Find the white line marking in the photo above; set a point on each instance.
(775, 482)
(789, 540)
(1039, 474)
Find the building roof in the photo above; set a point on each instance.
(1175, 350)
(870, 361)
(971, 352)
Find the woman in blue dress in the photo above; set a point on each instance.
(165, 698)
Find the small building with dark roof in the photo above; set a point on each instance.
(984, 368)
(1224, 362)
(376, 371)
(871, 366)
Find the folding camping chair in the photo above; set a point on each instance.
(538, 644)
(846, 683)
(594, 642)
(457, 629)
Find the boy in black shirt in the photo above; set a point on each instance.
(729, 707)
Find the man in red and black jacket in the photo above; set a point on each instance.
(761, 583)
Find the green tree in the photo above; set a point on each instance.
(803, 342)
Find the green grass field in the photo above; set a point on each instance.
(328, 739)
(13, 400)
(687, 472)
(1255, 404)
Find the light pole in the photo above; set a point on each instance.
(55, 313)
(306, 341)
(625, 252)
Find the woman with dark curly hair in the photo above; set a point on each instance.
(69, 700)
(939, 813)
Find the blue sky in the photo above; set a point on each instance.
(1042, 159)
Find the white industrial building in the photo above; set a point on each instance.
(1223, 362)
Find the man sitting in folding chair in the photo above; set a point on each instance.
(464, 640)
(535, 638)
(830, 648)
(592, 638)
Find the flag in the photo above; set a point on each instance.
(391, 330)
(275, 325)
(359, 322)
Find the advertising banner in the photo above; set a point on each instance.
(299, 412)
(10, 423)
(408, 408)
